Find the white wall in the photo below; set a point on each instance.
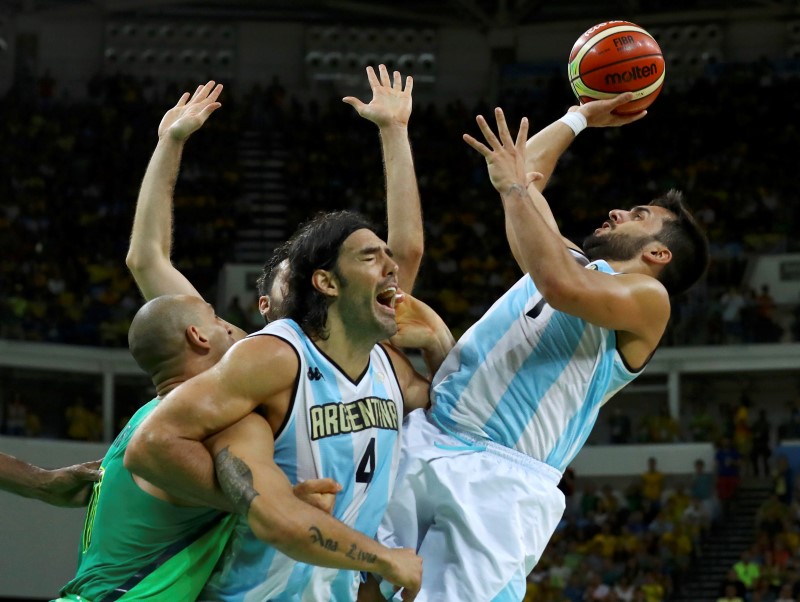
(40, 542)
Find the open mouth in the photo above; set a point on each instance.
(387, 298)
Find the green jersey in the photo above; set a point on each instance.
(138, 547)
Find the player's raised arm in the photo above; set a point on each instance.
(151, 239)
(390, 110)
(260, 491)
(167, 449)
(68, 486)
(634, 303)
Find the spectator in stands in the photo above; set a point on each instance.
(652, 488)
(702, 426)
(82, 423)
(786, 594)
(732, 303)
(567, 487)
(619, 426)
(766, 330)
(742, 434)
(772, 516)
(762, 433)
(624, 590)
(702, 488)
(662, 427)
(783, 480)
(727, 468)
(730, 595)
(17, 419)
(790, 429)
(747, 570)
(596, 590)
(732, 581)
(236, 314)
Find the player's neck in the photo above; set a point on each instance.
(349, 350)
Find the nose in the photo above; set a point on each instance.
(618, 215)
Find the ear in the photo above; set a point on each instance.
(196, 338)
(657, 254)
(325, 282)
(263, 305)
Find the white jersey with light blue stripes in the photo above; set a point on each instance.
(529, 377)
(336, 427)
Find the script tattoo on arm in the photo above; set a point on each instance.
(330, 544)
(236, 480)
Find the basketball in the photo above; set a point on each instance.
(615, 57)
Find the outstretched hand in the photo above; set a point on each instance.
(188, 116)
(599, 113)
(390, 104)
(506, 157)
(71, 486)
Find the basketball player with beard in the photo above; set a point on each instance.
(516, 398)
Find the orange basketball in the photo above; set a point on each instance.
(615, 57)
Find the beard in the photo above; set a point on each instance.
(614, 246)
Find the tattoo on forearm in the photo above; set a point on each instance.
(318, 538)
(236, 480)
(329, 544)
(360, 555)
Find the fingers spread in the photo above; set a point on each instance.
(384, 72)
(481, 148)
(373, 79)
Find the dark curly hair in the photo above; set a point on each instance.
(316, 246)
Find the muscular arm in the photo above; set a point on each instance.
(390, 110)
(628, 302)
(167, 449)
(69, 486)
(544, 149)
(151, 239)
(259, 490)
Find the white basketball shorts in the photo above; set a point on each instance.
(479, 514)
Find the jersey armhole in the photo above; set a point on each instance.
(295, 387)
(394, 372)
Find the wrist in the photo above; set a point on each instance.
(576, 121)
(393, 128)
(514, 190)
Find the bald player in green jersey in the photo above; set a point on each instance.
(138, 541)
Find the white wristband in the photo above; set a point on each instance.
(575, 120)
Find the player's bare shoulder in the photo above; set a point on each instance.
(264, 360)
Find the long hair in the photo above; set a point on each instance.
(687, 242)
(316, 246)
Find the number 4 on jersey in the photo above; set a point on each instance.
(367, 465)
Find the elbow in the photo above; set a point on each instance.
(557, 293)
(138, 453)
(134, 261)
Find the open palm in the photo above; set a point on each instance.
(190, 114)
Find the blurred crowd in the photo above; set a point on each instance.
(641, 540)
(72, 171)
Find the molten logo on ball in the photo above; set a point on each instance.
(634, 73)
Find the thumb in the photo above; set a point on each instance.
(326, 485)
(353, 102)
(533, 176)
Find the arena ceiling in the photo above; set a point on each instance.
(474, 13)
